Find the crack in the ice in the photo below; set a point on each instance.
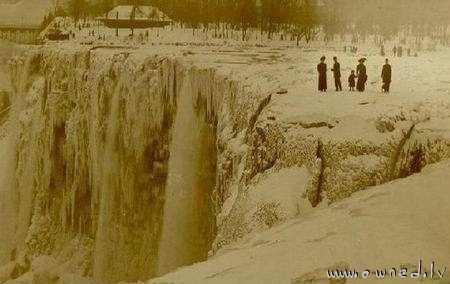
(265, 102)
(318, 124)
(4, 115)
(222, 272)
(320, 180)
(398, 152)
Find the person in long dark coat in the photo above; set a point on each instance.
(386, 75)
(322, 69)
(361, 73)
(337, 74)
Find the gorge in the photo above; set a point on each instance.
(124, 163)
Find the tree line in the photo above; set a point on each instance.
(297, 19)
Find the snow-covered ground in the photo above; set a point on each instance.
(395, 225)
(282, 147)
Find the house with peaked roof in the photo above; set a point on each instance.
(135, 17)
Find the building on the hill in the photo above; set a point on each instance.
(21, 21)
(137, 17)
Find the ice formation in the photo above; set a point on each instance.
(89, 159)
(125, 165)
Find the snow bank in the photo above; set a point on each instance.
(389, 226)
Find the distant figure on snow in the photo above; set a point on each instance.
(382, 52)
(352, 81)
(394, 50)
(361, 73)
(337, 74)
(386, 75)
(322, 69)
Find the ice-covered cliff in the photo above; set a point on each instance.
(123, 164)
(89, 157)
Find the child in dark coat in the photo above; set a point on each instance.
(352, 81)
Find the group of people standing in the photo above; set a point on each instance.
(358, 79)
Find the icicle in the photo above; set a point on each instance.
(13, 229)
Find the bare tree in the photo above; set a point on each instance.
(77, 9)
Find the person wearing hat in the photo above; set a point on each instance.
(322, 69)
(386, 75)
(361, 73)
(337, 74)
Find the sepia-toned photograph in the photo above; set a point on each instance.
(224, 141)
